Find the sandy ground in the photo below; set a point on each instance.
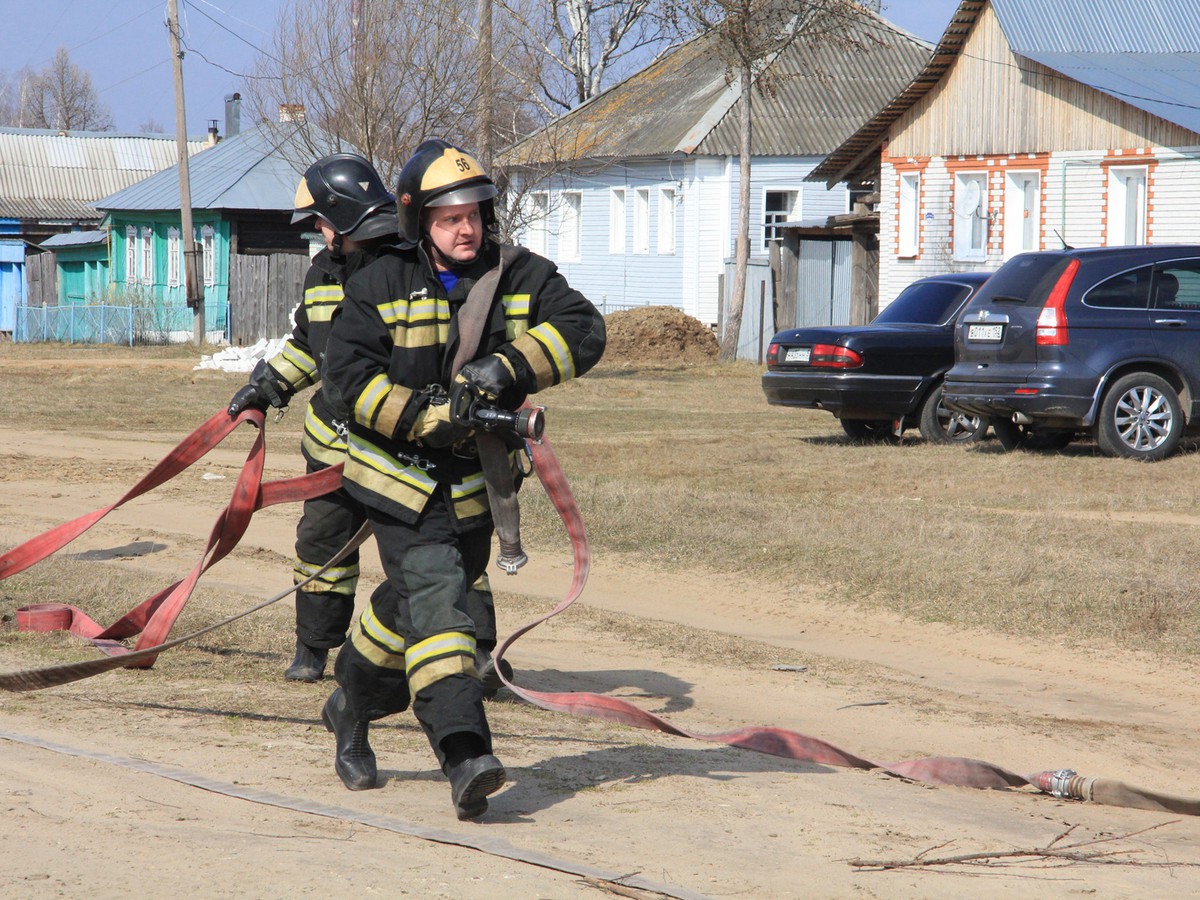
(157, 784)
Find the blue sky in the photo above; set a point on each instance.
(125, 47)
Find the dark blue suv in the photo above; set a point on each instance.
(1103, 341)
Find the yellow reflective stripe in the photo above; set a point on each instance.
(457, 643)
(421, 311)
(322, 300)
(320, 432)
(366, 407)
(328, 455)
(380, 633)
(516, 306)
(367, 454)
(471, 485)
(294, 366)
(439, 669)
(376, 654)
(556, 348)
(392, 409)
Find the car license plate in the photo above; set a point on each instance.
(798, 354)
(985, 332)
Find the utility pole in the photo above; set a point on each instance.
(487, 93)
(192, 288)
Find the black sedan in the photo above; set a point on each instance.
(881, 378)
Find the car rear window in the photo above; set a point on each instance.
(1027, 278)
(927, 303)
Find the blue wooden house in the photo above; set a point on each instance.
(634, 194)
(242, 194)
(47, 180)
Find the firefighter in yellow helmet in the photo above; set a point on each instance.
(343, 197)
(411, 459)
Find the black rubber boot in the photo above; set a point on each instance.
(486, 666)
(309, 664)
(472, 781)
(354, 760)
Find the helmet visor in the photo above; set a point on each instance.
(471, 193)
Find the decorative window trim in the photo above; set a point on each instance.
(131, 254)
(208, 246)
(174, 257)
(908, 216)
(147, 242)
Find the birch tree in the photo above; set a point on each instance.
(750, 34)
(59, 97)
(583, 46)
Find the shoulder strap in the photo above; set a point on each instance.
(475, 309)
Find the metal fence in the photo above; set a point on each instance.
(131, 325)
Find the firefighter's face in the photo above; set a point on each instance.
(456, 231)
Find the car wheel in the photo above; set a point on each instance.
(870, 431)
(1024, 437)
(1141, 418)
(942, 425)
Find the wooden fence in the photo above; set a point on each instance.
(263, 292)
(41, 279)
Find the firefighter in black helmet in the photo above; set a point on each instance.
(346, 200)
(392, 351)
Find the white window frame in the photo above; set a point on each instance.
(641, 220)
(174, 257)
(131, 254)
(909, 215)
(616, 220)
(570, 225)
(771, 219)
(147, 254)
(1022, 212)
(666, 221)
(1127, 206)
(970, 224)
(208, 247)
(537, 235)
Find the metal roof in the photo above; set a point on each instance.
(75, 239)
(257, 169)
(54, 176)
(683, 103)
(1143, 52)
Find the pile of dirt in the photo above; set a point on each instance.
(658, 334)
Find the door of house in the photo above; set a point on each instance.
(823, 282)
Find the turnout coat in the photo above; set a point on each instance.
(395, 336)
(300, 362)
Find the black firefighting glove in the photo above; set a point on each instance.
(264, 389)
(482, 379)
(434, 426)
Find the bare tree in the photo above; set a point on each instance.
(377, 75)
(584, 44)
(750, 34)
(61, 97)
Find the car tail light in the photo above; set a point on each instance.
(1052, 320)
(772, 354)
(832, 356)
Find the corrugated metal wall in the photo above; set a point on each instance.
(823, 282)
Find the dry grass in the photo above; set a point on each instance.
(691, 469)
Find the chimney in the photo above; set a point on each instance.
(291, 112)
(213, 137)
(233, 114)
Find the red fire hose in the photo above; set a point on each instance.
(152, 620)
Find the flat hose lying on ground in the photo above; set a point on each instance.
(250, 494)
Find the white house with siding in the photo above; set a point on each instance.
(1037, 123)
(634, 194)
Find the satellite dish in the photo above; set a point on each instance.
(969, 205)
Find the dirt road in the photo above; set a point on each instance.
(161, 782)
